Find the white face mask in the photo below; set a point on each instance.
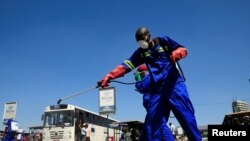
(143, 44)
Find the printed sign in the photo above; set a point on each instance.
(107, 101)
(9, 111)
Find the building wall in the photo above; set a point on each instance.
(239, 106)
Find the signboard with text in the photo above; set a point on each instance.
(107, 101)
(9, 110)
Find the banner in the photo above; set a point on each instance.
(9, 111)
(107, 101)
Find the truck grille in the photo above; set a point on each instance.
(56, 134)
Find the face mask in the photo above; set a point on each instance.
(143, 44)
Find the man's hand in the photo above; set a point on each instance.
(117, 72)
(178, 54)
(105, 81)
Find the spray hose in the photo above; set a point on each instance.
(125, 83)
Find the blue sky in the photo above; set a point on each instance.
(50, 49)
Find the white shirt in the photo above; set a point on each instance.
(83, 131)
(172, 127)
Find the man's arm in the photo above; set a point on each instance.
(125, 67)
(119, 71)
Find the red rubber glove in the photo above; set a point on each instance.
(178, 54)
(117, 72)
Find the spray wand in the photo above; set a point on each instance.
(83, 91)
(89, 89)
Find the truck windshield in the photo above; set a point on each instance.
(59, 119)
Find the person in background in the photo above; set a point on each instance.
(161, 54)
(87, 132)
(83, 131)
(236, 121)
(246, 120)
(127, 135)
(10, 133)
(122, 135)
(38, 136)
(173, 129)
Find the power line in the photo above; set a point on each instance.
(218, 103)
(215, 103)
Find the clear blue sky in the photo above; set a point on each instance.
(50, 49)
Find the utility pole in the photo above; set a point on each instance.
(108, 127)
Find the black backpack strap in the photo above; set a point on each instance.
(168, 52)
(146, 61)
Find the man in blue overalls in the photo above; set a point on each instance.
(9, 133)
(160, 54)
(155, 124)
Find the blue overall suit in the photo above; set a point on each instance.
(155, 125)
(167, 91)
(10, 135)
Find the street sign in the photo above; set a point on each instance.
(107, 103)
(9, 111)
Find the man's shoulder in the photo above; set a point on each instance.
(162, 37)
